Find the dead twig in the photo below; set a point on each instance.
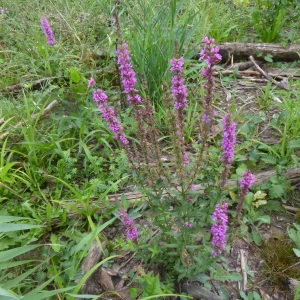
(266, 75)
(291, 208)
(243, 267)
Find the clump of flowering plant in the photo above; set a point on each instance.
(172, 192)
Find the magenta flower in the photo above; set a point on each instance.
(48, 31)
(128, 75)
(187, 224)
(131, 230)
(193, 187)
(219, 228)
(109, 116)
(210, 55)
(246, 182)
(91, 82)
(179, 92)
(228, 141)
(186, 159)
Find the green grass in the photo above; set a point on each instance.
(56, 170)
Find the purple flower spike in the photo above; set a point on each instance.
(219, 228)
(48, 31)
(246, 182)
(228, 141)
(245, 185)
(210, 55)
(179, 92)
(131, 230)
(128, 75)
(91, 82)
(109, 116)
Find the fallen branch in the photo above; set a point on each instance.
(34, 84)
(33, 117)
(244, 50)
(269, 77)
(293, 175)
(278, 74)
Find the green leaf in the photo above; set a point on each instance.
(55, 243)
(268, 58)
(269, 159)
(293, 144)
(134, 293)
(297, 252)
(259, 195)
(243, 295)
(256, 237)
(45, 294)
(240, 170)
(227, 277)
(8, 294)
(256, 296)
(12, 253)
(15, 281)
(12, 264)
(259, 203)
(16, 227)
(232, 195)
(276, 191)
(74, 75)
(152, 286)
(5, 219)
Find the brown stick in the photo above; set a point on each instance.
(260, 70)
(291, 208)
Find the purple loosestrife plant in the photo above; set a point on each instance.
(245, 185)
(131, 230)
(210, 55)
(219, 228)
(228, 143)
(109, 116)
(48, 31)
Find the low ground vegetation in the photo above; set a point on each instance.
(127, 153)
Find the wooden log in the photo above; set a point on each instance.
(244, 50)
